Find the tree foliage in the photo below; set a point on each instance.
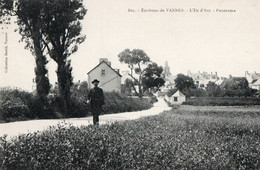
(62, 32)
(213, 90)
(152, 78)
(184, 82)
(137, 61)
(236, 86)
(127, 86)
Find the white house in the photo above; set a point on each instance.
(253, 80)
(256, 85)
(177, 98)
(110, 79)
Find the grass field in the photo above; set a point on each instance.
(191, 137)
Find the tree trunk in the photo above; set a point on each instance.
(64, 84)
(42, 80)
(140, 87)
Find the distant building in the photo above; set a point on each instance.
(125, 75)
(253, 80)
(177, 98)
(110, 79)
(202, 79)
(168, 77)
(256, 85)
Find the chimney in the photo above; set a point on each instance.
(117, 70)
(216, 73)
(105, 60)
(230, 76)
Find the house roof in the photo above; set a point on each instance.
(218, 82)
(228, 82)
(107, 65)
(254, 75)
(203, 75)
(256, 83)
(178, 93)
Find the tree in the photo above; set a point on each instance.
(62, 29)
(184, 82)
(212, 89)
(127, 86)
(197, 92)
(53, 26)
(29, 19)
(136, 60)
(235, 86)
(152, 78)
(171, 92)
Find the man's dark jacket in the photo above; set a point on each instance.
(96, 97)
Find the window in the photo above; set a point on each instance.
(103, 72)
(175, 99)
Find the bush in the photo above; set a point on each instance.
(116, 102)
(222, 101)
(41, 108)
(14, 104)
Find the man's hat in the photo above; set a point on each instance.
(95, 81)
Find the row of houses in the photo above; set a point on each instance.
(201, 79)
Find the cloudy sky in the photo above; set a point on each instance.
(223, 42)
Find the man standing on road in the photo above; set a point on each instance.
(96, 100)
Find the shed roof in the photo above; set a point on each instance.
(178, 93)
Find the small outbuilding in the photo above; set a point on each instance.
(178, 98)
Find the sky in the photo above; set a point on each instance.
(224, 42)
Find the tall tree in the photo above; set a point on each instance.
(137, 61)
(62, 28)
(29, 20)
(53, 26)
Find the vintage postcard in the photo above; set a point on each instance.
(64, 61)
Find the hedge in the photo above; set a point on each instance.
(16, 105)
(222, 101)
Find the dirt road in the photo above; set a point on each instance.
(23, 127)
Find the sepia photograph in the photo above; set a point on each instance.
(129, 84)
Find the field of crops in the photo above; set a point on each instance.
(191, 137)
